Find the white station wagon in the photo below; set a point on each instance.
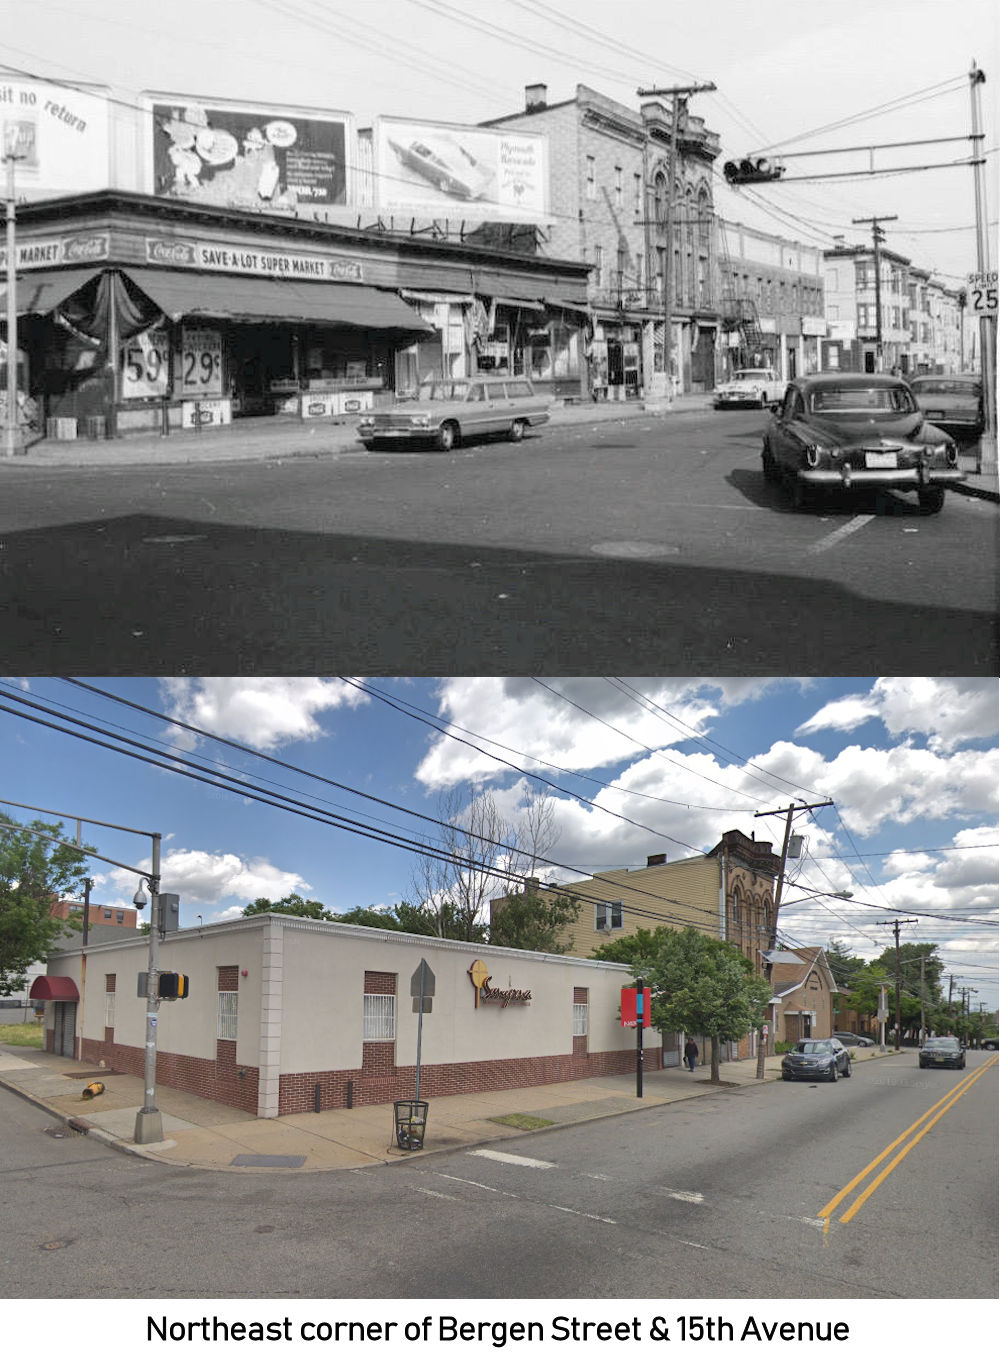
(447, 410)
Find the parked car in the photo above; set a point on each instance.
(954, 403)
(852, 431)
(446, 164)
(990, 1041)
(812, 1058)
(853, 1040)
(447, 411)
(943, 1052)
(760, 386)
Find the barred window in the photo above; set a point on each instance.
(228, 1011)
(580, 1009)
(379, 1018)
(109, 1010)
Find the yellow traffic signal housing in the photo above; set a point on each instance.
(173, 985)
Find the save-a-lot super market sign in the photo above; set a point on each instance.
(219, 258)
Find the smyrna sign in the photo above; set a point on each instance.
(479, 976)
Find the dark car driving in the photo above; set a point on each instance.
(853, 431)
(943, 1052)
(810, 1059)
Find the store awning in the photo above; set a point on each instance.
(517, 304)
(49, 987)
(251, 298)
(436, 297)
(39, 293)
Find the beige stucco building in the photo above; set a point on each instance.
(287, 1014)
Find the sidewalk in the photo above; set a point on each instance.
(205, 1134)
(283, 437)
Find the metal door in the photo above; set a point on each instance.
(64, 1036)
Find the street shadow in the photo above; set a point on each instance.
(755, 489)
(148, 595)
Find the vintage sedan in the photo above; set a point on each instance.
(942, 1052)
(853, 431)
(810, 1059)
(447, 411)
(954, 403)
(757, 386)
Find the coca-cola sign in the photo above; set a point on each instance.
(171, 251)
(85, 248)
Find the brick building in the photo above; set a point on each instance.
(608, 196)
(286, 1013)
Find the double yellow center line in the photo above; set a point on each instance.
(905, 1142)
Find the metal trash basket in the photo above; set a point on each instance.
(411, 1121)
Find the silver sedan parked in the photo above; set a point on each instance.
(816, 1059)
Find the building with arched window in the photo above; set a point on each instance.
(608, 194)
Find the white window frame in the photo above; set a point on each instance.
(609, 916)
(581, 1021)
(229, 1010)
(109, 1010)
(379, 1019)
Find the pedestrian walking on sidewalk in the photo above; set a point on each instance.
(690, 1054)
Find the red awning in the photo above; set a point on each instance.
(49, 987)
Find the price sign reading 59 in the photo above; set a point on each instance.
(198, 369)
(983, 293)
(145, 366)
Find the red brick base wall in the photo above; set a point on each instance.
(296, 1092)
(215, 1080)
(221, 1080)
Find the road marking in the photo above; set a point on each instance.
(942, 1107)
(436, 1194)
(508, 1159)
(684, 1196)
(835, 537)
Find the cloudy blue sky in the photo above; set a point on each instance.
(633, 767)
(792, 75)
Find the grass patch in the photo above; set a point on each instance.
(24, 1036)
(523, 1121)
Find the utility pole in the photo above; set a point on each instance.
(878, 236)
(895, 927)
(921, 1001)
(678, 95)
(987, 323)
(771, 913)
(13, 150)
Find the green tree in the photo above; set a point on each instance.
(638, 950)
(293, 905)
(844, 965)
(370, 916)
(534, 919)
(704, 986)
(34, 873)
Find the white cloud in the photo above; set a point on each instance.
(201, 877)
(945, 711)
(263, 712)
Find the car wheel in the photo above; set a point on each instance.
(763, 401)
(786, 1076)
(848, 1069)
(798, 491)
(516, 433)
(447, 437)
(769, 464)
(931, 500)
(834, 1073)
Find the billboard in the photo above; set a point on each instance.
(59, 136)
(440, 170)
(282, 161)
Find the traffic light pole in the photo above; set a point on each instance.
(878, 235)
(987, 323)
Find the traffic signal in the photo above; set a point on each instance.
(170, 986)
(756, 170)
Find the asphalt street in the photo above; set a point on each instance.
(646, 544)
(746, 1194)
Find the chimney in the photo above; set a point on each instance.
(656, 860)
(535, 97)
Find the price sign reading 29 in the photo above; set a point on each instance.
(198, 372)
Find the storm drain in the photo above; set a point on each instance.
(248, 1159)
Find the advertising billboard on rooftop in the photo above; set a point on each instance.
(59, 137)
(281, 161)
(443, 171)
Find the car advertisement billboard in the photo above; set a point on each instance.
(440, 171)
(282, 161)
(58, 135)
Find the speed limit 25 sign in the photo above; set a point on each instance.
(982, 289)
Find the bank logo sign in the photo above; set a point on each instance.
(479, 976)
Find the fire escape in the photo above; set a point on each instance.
(738, 312)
